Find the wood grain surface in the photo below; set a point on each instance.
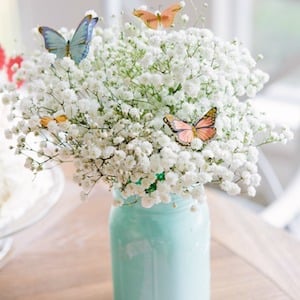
(66, 255)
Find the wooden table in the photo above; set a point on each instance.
(66, 255)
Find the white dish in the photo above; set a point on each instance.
(41, 205)
(36, 211)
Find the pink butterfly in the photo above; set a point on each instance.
(203, 129)
(165, 19)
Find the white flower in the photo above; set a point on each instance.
(188, 178)
(230, 187)
(171, 178)
(144, 162)
(164, 141)
(196, 144)
(251, 191)
(8, 134)
(118, 140)
(198, 193)
(148, 201)
(165, 197)
(108, 152)
(185, 18)
(255, 179)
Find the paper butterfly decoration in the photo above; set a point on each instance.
(78, 47)
(165, 19)
(203, 129)
(59, 119)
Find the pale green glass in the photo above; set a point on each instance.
(161, 253)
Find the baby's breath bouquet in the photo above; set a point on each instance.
(106, 114)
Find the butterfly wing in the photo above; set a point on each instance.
(61, 118)
(92, 24)
(205, 129)
(44, 121)
(79, 45)
(183, 130)
(54, 42)
(185, 136)
(168, 15)
(151, 20)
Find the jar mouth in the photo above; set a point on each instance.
(176, 204)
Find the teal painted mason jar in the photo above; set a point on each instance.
(160, 253)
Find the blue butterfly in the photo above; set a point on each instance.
(78, 47)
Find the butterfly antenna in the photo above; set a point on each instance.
(201, 17)
(193, 5)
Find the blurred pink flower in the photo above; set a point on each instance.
(2, 58)
(12, 63)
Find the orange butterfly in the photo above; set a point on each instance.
(59, 119)
(165, 19)
(203, 129)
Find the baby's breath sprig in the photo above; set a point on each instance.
(106, 113)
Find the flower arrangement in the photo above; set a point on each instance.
(128, 112)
